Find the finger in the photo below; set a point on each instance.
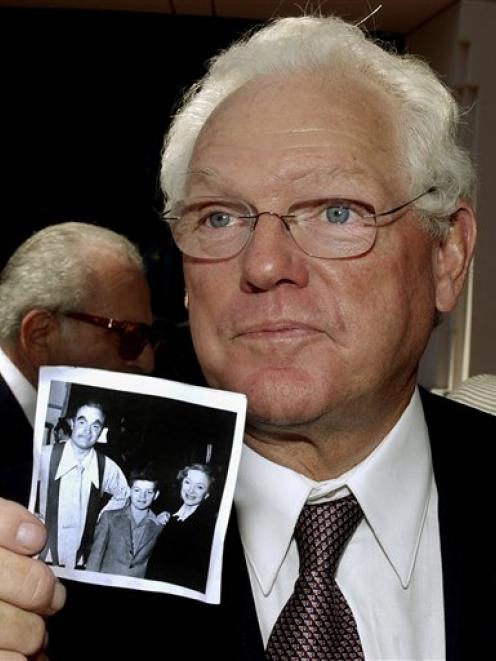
(29, 584)
(14, 656)
(20, 530)
(20, 631)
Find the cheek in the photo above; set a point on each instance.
(209, 293)
(400, 297)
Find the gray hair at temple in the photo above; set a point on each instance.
(54, 269)
(429, 115)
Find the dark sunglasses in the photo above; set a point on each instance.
(133, 336)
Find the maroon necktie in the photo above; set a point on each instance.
(316, 622)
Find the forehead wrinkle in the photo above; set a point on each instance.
(302, 180)
(329, 176)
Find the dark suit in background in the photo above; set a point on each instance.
(464, 456)
(16, 463)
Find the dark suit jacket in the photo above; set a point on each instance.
(16, 462)
(182, 552)
(464, 455)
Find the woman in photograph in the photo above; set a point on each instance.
(182, 552)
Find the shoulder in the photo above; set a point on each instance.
(152, 519)
(114, 516)
(450, 414)
(109, 463)
(462, 439)
(53, 449)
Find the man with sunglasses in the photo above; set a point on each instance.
(71, 294)
(74, 480)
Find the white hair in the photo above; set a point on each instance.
(429, 116)
(52, 270)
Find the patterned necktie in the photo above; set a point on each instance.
(316, 622)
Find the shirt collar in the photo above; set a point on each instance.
(68, 462)
(22, 390)
(150, 516)
(392, 486)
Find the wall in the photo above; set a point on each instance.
(460, 44)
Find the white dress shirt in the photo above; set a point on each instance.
(22, 390)
(390, 572)
(76, 478)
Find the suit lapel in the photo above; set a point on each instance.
(237, 598)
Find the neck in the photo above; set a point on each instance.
(187, 509)
(328, 447)
(138, 515)
(79, 453)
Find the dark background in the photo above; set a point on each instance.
(86, 99)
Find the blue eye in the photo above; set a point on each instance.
(219, 219)
(338, 214)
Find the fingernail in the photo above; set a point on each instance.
(31, 536)
(58, 598)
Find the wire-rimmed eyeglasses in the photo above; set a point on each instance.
(329, 228)
(133, 336)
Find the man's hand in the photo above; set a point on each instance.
(28, 589)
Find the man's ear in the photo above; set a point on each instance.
(38, 331)
(452, 256)
(157, 494)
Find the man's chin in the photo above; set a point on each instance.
(283, 411)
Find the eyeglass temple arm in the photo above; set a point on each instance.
(432, 189)
(91, 319)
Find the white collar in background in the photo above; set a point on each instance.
(392, 486)
(22, 390)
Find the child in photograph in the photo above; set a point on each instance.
(124, 538)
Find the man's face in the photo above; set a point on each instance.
(87, 427)
(309, 339)
(119, 292)
(143, 493)
(194, 487)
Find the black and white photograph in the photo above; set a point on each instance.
(134, 478)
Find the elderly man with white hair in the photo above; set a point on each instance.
(317, 188)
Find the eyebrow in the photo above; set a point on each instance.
(83, 417)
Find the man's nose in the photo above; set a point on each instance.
(272, 257)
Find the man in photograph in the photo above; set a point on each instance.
(74, 481)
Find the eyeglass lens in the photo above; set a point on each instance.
(133, 339)
(210, 228)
